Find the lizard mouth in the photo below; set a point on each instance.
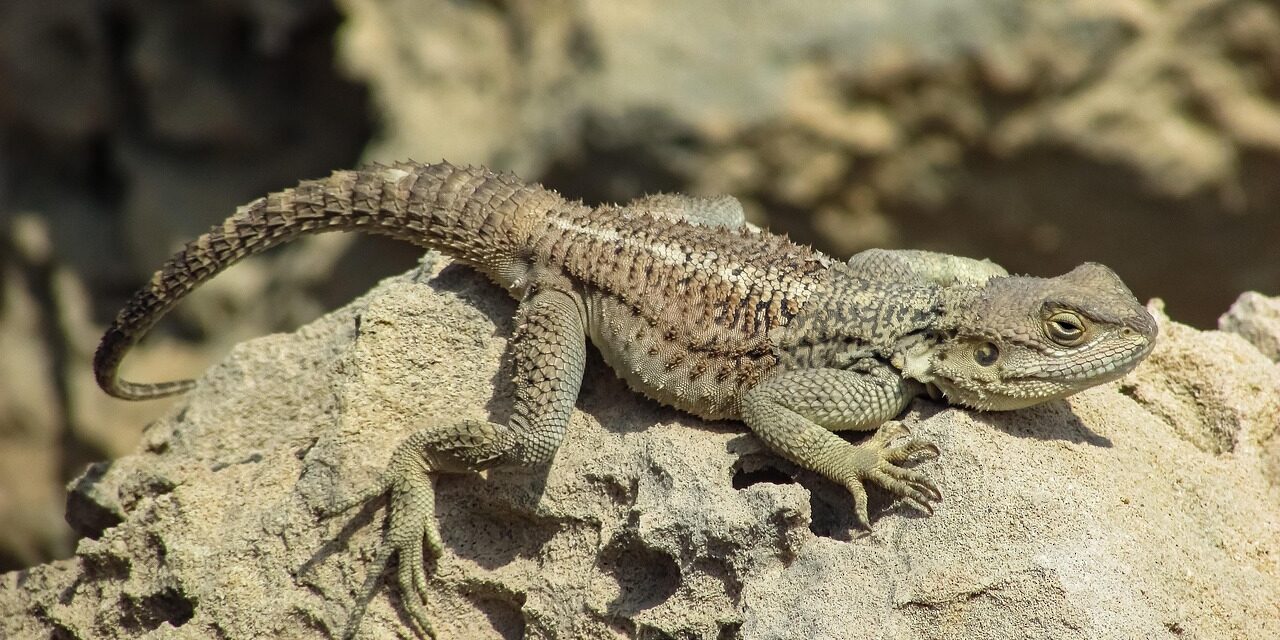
(1103, 366)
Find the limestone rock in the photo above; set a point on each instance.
(1255, 318)
(1105, 516)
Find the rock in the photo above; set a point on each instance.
(1255, 318)
(1104, 516)
(31, 420)
(1037, 134)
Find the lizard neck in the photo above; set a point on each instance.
(857, 318)
(913, 353)
(956, 304)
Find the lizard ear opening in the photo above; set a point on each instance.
(986, 354)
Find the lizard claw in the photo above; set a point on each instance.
(900, 453)
(335, 508)
(863, 521)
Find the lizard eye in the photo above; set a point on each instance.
(986, 354)
(1065, 328)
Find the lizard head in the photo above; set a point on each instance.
(1018, 341)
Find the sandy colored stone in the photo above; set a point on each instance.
(1255, 318)
(1102, 517)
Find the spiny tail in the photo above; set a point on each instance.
(471, 213)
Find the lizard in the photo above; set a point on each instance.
(692, 307)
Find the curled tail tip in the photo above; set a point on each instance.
(133, 391)
(106, 363)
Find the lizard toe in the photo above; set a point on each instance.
(863, 519)
(876, 462)
(903, 451)
(888, 432)
(913, 478)
(412, 579)
(900, 488)
(923, 507)
(335, 508)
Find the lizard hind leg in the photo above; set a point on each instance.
(548, 353)
(412, 532)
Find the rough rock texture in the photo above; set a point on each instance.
(1039, 134)
(1146, 508)
(1255, 318)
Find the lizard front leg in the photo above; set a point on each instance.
(796, 412)
(548, 352)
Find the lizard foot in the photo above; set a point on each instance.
(411, 533)
(877, 460)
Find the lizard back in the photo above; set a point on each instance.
(682, 311)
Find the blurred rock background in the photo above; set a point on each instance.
(1040, 134)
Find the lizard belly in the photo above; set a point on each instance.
(664, 369)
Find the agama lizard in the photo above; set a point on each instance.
(693, 308)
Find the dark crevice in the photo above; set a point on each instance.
(60, 631)
(730, 631)
(646, 577)
(103, 566)
(503, 609)
(149, 612)
(771, 475)
(87, 517)
(828, 520)
(830, 506)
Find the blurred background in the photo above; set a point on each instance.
(1039, 134)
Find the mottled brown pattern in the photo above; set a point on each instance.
(697, 303)
(682, 274)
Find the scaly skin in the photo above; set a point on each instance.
(693, 309)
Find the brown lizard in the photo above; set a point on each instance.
(693, 308)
